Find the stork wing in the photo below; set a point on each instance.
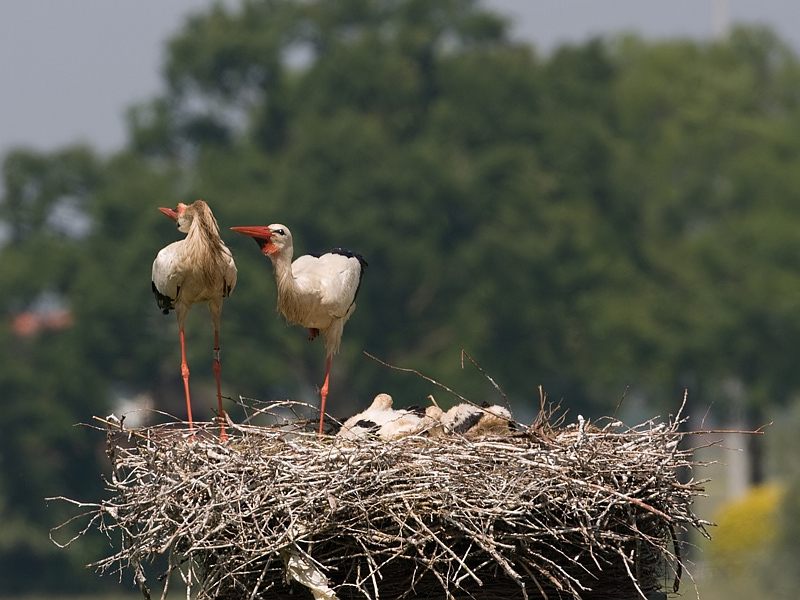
(230, 272)
(332, 278)
(168, 274)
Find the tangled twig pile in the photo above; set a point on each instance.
(576, 511)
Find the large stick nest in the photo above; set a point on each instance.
(585, 510)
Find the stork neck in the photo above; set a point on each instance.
(203, 233)
(289, 304)
(282, 263)
(205, 245)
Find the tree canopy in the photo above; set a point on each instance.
(617, 215)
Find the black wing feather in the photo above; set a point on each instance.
(165, 303)
(468, 423)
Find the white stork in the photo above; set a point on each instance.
(382, 421)
(198, 268)
(473, 421)
(315, 291)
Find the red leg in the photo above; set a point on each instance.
(185, 375)
(222, 435)
(324, 394)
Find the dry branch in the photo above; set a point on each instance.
(583, 511)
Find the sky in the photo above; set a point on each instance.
(70, 70)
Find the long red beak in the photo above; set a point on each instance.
(259, 232)
(169, 212)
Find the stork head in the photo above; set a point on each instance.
(382, 402)
(272, 239)
(434, 412)
(180, 215)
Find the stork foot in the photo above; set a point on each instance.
(312, 333)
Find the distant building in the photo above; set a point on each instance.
(47, 312)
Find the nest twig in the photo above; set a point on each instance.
(585, 511)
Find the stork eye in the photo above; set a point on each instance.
(279, 231)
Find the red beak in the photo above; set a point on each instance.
(259, 232)
(169, 212)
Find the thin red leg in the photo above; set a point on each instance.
(222, 435)
(185, 375)
(324, 394)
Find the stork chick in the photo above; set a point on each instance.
(198, 268)
(382, 421)
(473, 421)
(315, 291)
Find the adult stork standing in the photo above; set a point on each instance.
(198, 268)
(316, 291)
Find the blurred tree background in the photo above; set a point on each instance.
(616, 218)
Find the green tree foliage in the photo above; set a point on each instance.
(617, 214)
(44, 382)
